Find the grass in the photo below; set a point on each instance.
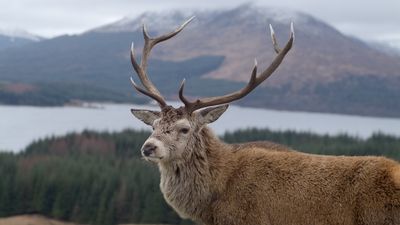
(31, 220)
(36, 220)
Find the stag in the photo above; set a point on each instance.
(214, 183)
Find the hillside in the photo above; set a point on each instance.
(8, 42)
(326, 71)
(91, 67)
(16, 38)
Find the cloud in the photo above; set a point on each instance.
(370, 20)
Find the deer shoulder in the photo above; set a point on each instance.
(261, 145)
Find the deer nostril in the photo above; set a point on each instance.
(148, 149)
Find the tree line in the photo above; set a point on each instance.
(100, 178)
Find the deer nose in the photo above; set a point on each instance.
(148, 149)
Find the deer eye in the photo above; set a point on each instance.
(184, 130)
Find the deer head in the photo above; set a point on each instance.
(176, 130)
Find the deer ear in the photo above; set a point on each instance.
(146, 116)
(211, 114)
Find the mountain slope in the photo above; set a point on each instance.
(7, 41)
(16, 38)
(325, 71)
(93, 62)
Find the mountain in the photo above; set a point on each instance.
(326, 71)
(16, 38)
(385, 48)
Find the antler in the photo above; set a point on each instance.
(149, 42)
(253, 82)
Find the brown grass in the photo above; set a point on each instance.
(31, 220)
(36, 220)
(18, 88)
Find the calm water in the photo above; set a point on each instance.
(20, 125)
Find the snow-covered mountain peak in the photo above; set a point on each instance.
(165, 20)
(19, 33)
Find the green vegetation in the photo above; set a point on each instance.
(99, 178)
(56, 94)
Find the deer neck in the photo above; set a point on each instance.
(187, 184)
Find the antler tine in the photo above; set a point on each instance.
(278, 59)
(251, 85)
(150, 94)
(201, 103)
(181, 96)
(151, 90)
(151, 42)
(274, 42)
(140, 69)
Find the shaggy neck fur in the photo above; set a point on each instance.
(187, 184)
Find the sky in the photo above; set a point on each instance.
(370, 20)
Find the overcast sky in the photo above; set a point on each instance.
(377, 20)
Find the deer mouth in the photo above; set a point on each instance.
(153, 158)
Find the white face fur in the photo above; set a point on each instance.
(174, 131)
(170, 142)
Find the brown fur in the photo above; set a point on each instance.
(265, 183)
